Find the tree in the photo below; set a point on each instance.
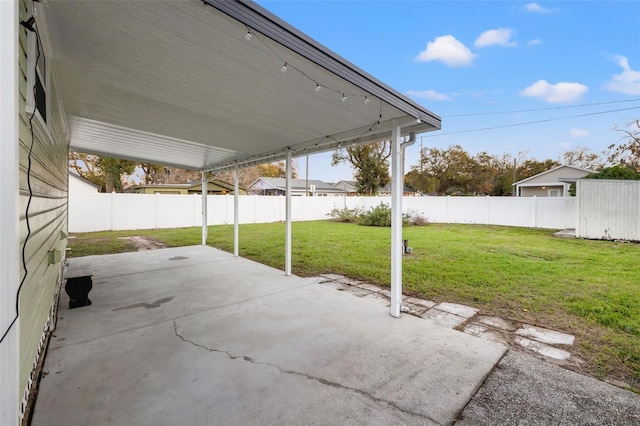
(615, 172)
(114, 169)
(584, 158)
(447, 171)
(152, 173)
(86, 166)
(105, 172)
(627, 153)
(371, 165)
(532, 167)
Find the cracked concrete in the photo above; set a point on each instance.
(296, 373)
(230, 341)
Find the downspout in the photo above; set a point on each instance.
(397, 190)
(404, 145)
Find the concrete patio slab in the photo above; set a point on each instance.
(196, 336)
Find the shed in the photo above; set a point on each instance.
(554, 182)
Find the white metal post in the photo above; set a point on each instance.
(205, 230)
(287, 244)
(397, 177)
(9, 212)
(236, 227)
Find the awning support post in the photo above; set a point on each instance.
(236, 228)
(205, 230)
(287, 244)
(397, 177)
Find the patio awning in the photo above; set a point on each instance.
(180, 83)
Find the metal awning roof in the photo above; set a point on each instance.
(178, 83)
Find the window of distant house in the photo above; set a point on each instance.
(37, 79)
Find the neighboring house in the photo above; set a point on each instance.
(277, 186)
(552, 183)
(80, 185)
(214, 187)
(406, 192)
(348, 186)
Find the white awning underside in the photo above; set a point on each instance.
(177, 83)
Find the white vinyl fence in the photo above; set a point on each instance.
(112, 212)
(608, 209)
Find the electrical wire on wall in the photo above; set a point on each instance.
(29, 25)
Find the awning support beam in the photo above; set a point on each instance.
(236, 227)
(287, 244)
(205, 230)
(397, 177)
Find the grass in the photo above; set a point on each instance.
(587, 288)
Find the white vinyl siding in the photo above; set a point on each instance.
(47, 210)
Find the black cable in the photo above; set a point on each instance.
(30, 26)
(529, 122)
(539, 109)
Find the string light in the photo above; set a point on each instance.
(318, 87)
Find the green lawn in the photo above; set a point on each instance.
(587, 288)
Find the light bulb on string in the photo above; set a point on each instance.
(318, 87)
(284, 67)
(366, 100)
(248, 35)
(344, 97)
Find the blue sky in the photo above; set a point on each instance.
(471, 62)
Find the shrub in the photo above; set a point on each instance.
(376, 216)
(414, 217)
(346, 215)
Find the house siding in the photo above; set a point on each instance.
(537, 191)
(47, 215)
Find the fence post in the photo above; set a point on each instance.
(488, 209)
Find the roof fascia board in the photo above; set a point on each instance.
(259, 19)
(329, 143)
(533, 185)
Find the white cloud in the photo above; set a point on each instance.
(628, 81)
(447, 49)
(578, 133)
(536, 8)
(534, 42)
(562, 92)
(431, 95)
(499, 37)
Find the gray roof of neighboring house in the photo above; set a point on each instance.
(387, 188)
(551, 170)
(296, 184)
